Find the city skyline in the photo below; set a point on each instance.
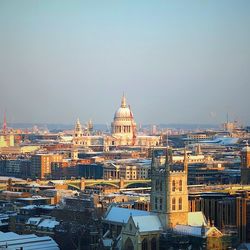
(176, 62)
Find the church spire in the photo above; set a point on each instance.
(78, 128)
(123, 104)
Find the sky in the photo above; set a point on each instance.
(176, 61)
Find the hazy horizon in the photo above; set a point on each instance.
(177, 62)
(103, 127)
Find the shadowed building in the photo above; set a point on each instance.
(245, 165)
(41, 164)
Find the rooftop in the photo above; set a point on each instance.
(147, 223)
(13, 241)
(121, 215)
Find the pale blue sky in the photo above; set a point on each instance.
(176, 61)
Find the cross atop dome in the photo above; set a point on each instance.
(124, 103)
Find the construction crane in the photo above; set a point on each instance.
(133, 127)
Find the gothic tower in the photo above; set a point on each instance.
(169, 192)
(77, 137)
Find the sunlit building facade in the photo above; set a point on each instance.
(123, 132)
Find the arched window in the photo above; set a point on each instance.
(173, 185)
(144, 244)
(180, 203)
(129, 244)
(153, 244)
(180, 185)
(173, 204)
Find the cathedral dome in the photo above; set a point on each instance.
(124, 126)
(123, 111)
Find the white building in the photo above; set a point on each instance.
(124, 132)
(12, 241)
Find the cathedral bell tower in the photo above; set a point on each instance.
(169, 192)
(78, 133)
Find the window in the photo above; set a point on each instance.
(173, 185)
(173, 204)
(156, 201)
(180, 185)
(153, 244)
(144, 244)
(160, 203)
(180, 203)
(157, 185)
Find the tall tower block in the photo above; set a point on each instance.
(245, 165)
(169, 192)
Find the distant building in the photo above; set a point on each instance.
(6, 136)
(245, 165)
(198, 137)
(88, 171)
(127, 169)
(7, 140)
(123, 132)
(41, 164)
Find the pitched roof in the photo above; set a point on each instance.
(28, 241)
(48, 223)
(147, 223)
(196, 219)
(197, 231)
(34, 221)
(121, 215)
(188, 230)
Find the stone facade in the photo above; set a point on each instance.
(169, 193)
(133, 239)
(123, 132)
